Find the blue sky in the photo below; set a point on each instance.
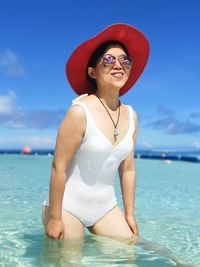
(38, 36)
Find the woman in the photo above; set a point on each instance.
(96, 138)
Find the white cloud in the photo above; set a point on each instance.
(169, 123)
(38, 141)
(11, 64)
(15, 117)
(145, 144)
(34, 142)
(8, 58)
(197, 144)
(7, 103)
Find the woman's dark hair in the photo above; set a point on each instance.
(98, 53)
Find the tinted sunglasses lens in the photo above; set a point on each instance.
(109, 59)
(126, 61)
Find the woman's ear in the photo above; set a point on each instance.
(91, 72)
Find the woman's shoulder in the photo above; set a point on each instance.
(84, 98)
(75, 111)
(79, 107)
(130, 107)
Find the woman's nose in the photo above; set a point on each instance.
(117, 64)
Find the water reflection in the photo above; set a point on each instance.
(61, 252)
(101, 251)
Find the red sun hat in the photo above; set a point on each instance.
(133, 39)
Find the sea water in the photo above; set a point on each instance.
(167, 211)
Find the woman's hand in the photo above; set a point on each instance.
(55, 229)
(132, 224)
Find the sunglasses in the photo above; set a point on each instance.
(110, 60)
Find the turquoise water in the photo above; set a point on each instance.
(167, 207)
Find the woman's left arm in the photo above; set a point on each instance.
(128, 184)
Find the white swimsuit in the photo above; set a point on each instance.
(89, 192)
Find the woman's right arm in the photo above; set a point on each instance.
(69, 138)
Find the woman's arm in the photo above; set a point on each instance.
(128, 184)
(69, 137)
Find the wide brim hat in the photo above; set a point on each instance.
(133, 39)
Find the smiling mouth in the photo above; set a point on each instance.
(117, 74)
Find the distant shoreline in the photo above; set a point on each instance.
(166, 155)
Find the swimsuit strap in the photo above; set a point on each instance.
(86, 110)
(132, 126)
(90, 120)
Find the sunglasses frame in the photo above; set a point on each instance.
(114, 59)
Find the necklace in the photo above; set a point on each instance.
(116, 131)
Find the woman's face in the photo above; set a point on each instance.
(112, 69)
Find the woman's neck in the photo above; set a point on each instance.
(110, 98)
